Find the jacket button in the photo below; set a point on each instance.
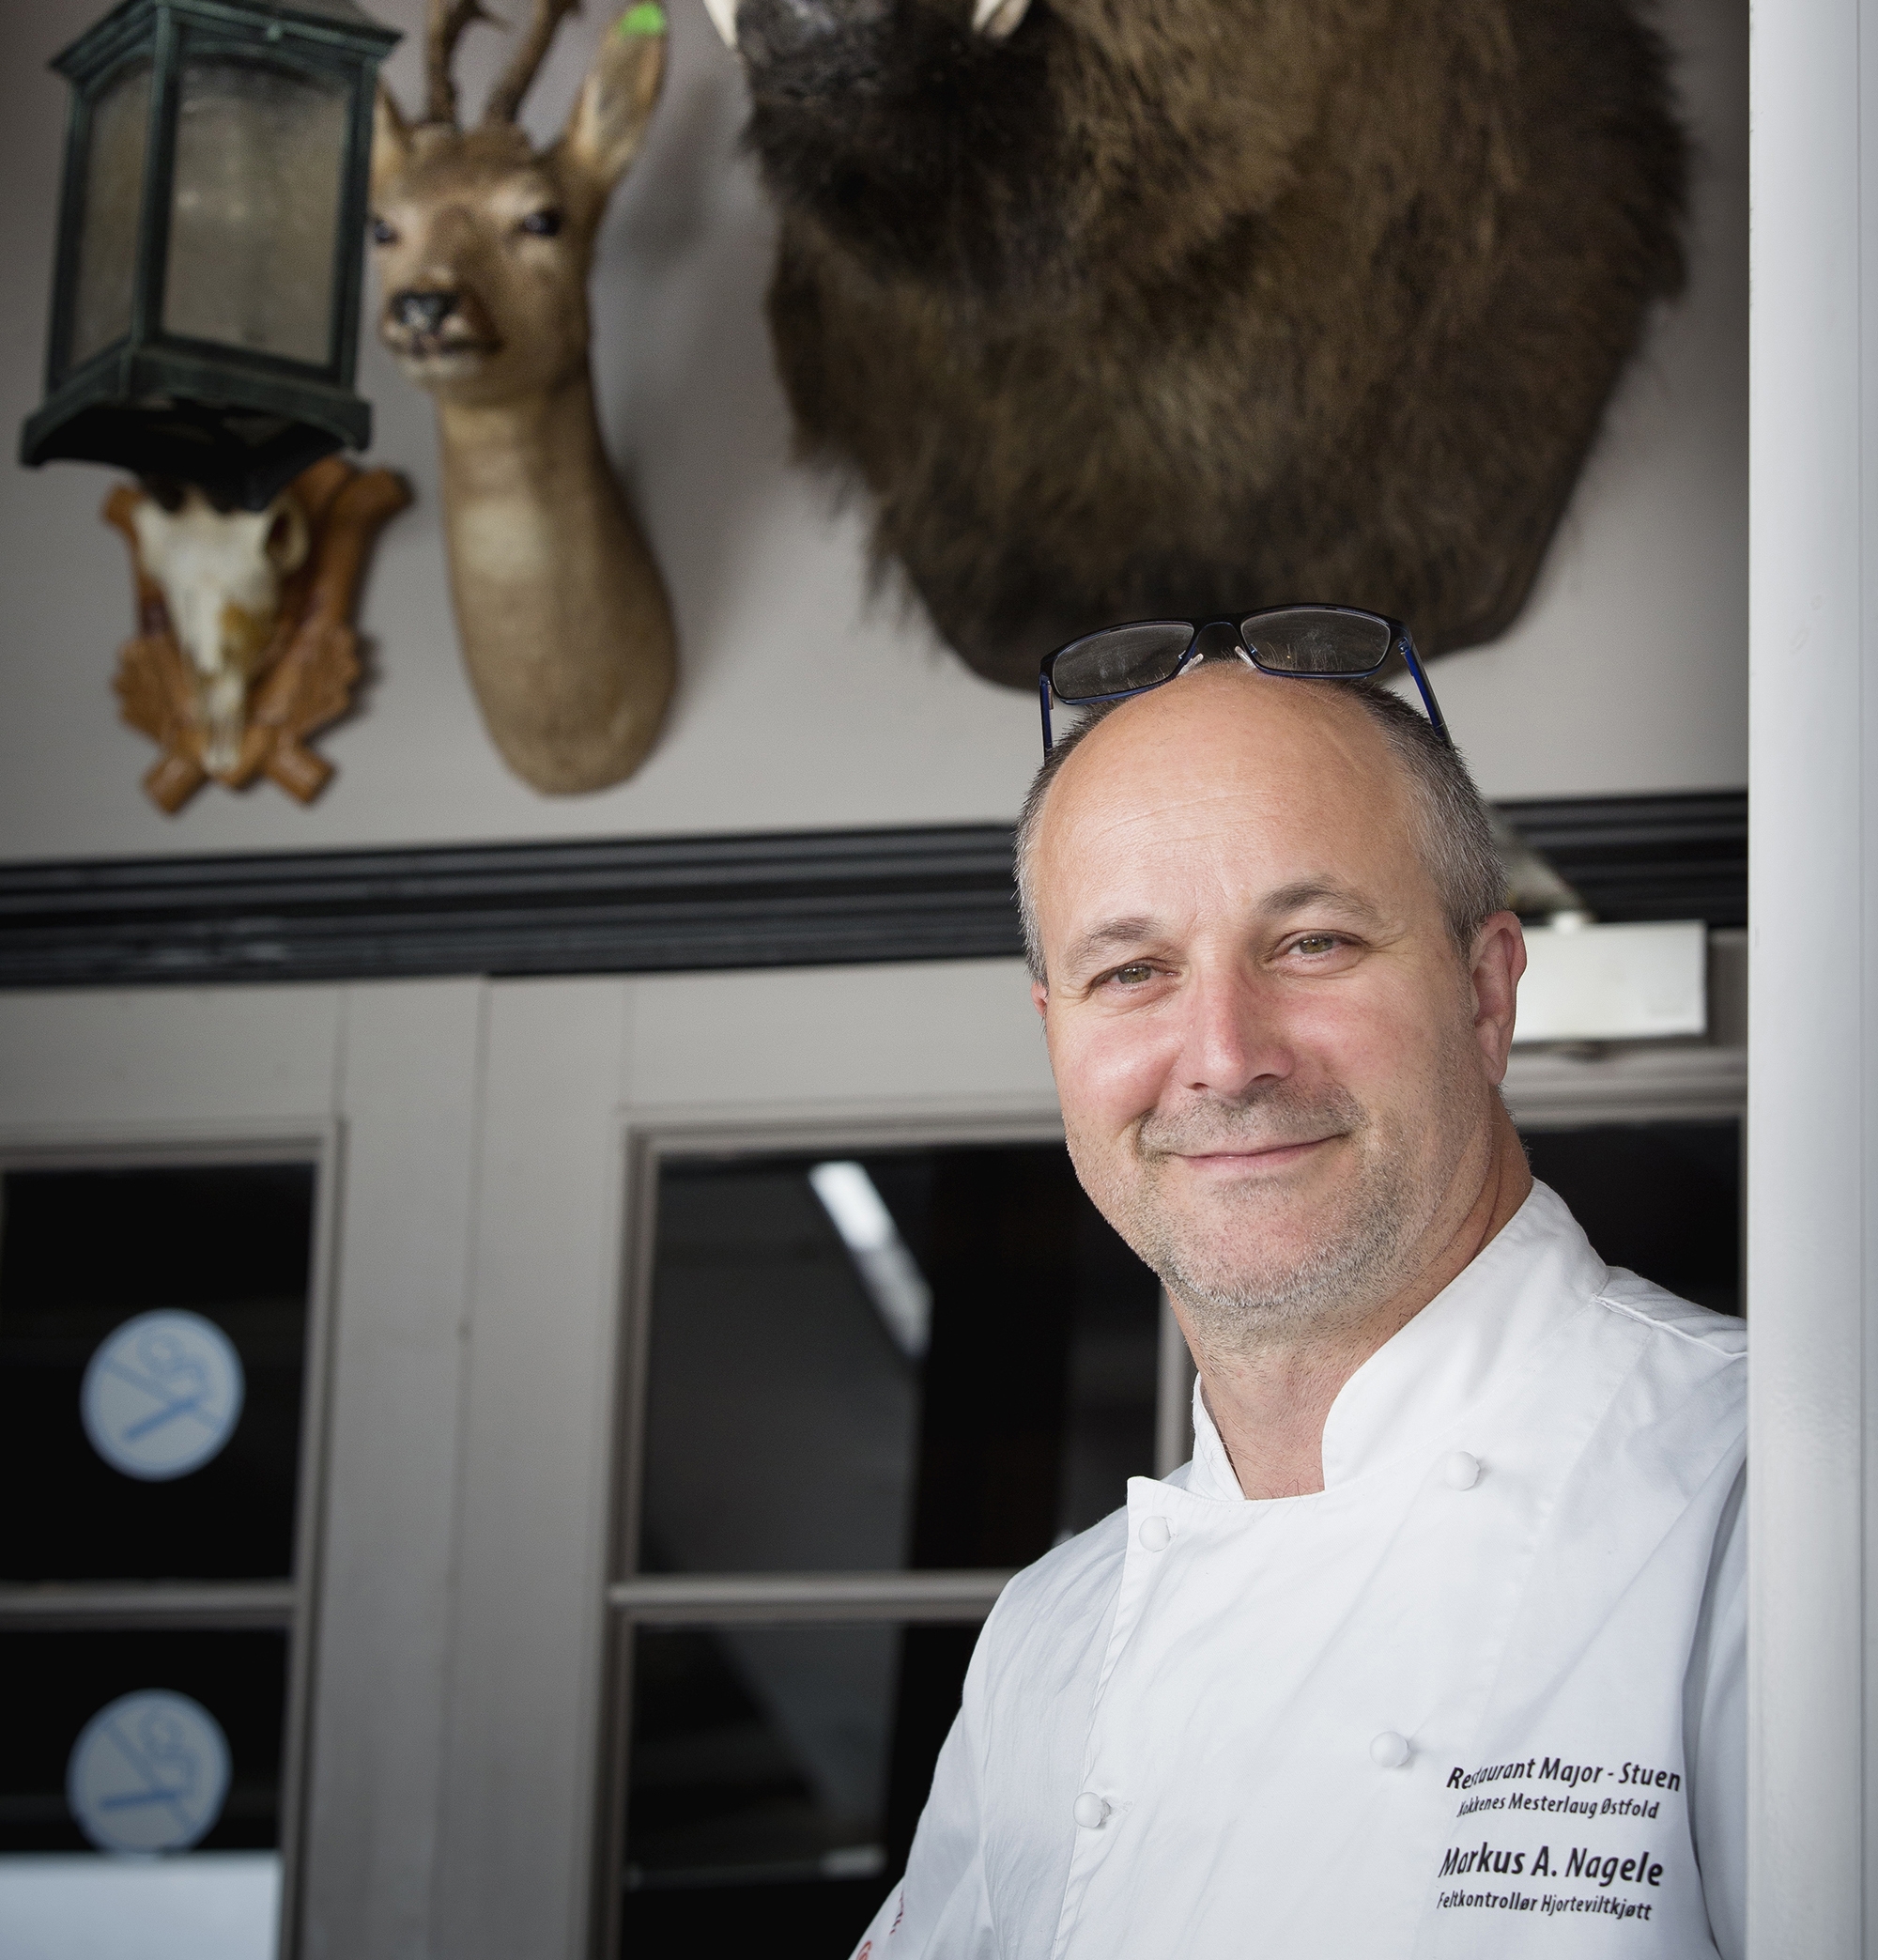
(1389, 1750)
(1461, 1471)
(1155, 1533)
(1091, 1812)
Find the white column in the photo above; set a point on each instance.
(1813, 977)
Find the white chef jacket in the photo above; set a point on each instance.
(1481, 1696)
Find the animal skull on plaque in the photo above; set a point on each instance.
(245, 646)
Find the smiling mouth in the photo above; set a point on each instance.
(1273, 1156)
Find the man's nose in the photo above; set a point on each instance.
(1232, 1037)
(423, 312)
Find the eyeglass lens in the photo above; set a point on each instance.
(1122, 658)
(1312, 640)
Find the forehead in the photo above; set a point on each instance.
(475, 163)
(1220, 787)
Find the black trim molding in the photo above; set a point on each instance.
(1640, 858)
(672, 904)
(626, 906)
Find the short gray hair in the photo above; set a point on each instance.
(1456, 830)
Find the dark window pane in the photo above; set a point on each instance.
(156, 1484)
(1662, 1199)
(777, 1775)
(58, 1683)
(926, 1358)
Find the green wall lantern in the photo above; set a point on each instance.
(210, 242)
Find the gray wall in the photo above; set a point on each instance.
(807, 700)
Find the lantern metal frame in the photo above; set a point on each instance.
(252, 420)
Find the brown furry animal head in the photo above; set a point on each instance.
(1156, 306)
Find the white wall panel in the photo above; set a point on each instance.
(962, 1030)
(176, 1057)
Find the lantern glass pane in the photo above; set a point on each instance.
(259, 163)
(113, 191)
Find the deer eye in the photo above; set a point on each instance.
(543, 224)
(383, 234)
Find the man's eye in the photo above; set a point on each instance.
(1313, 943)
(541, 224)
(383, 234)
(1135, 975)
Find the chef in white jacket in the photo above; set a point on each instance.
(1437, 1647)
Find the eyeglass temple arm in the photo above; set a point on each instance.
(1043, 690)
(1413, 663)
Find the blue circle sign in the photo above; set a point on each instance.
(163, 1395)
(148, 1774)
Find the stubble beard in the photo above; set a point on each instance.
(1243, 1288)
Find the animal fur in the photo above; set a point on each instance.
(1185, 306)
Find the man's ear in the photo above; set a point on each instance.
(616, 101)
(390, 143)
(1040, 998)
(1498, 960)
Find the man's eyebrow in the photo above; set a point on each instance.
(1131, 935)
(1111, 934)
(1317, 892)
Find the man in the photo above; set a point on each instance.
(1437, 1647)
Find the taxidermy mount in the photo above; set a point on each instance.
(1131, 308)
(244, 645)
(482, 244)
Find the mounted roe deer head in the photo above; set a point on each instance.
(1126, 309)
(482, 244)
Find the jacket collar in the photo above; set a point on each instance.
(1470, 1340)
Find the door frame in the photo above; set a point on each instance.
(290, 1606)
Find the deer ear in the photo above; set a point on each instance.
(390, 142)
(608, 123)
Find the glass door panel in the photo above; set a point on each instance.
(100, 1759)
(864, 1369)
(155, 1326)
(777, 1775)
(818, 1395)
(143, 1741)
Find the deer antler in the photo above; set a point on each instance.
(506, 97)
(443, 31)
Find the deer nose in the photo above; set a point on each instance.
(423, 312)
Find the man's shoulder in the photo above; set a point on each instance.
(1063, 1599)
(1683, 1370)
(1674, 1329)
(1078, 1569)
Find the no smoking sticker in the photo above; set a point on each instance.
(148, 1772)
(161, 1396)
